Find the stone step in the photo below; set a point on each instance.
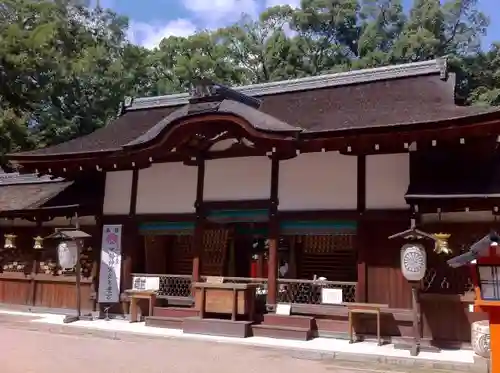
(225, 328)
(306, 322)
(181, 312)
(281, 332)
(164, 322)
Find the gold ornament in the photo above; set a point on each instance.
(441, 246)
(10, 241)
(38, 243)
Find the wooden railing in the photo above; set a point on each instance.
(289, 290)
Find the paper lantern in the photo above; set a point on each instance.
(67, 254)
(413, 261)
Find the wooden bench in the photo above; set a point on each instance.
(367, 309)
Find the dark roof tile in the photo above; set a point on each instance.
(424, 98)
(29, 196)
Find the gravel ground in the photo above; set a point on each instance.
(27, 347)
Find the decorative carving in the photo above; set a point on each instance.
(413, 261)
(480, 336)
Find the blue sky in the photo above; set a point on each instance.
(151, 20)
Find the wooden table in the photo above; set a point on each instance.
(364, 308)
(135, 296)
(225, 298)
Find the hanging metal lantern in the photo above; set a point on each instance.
(67, 254)
(10, 241)
(38, 243)
(441, 245)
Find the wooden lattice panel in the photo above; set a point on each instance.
(333, 257)
(215, 243)
(181, 260)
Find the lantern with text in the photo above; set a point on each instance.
(413, 267)
(68, 253)
(483, 258)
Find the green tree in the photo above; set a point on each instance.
(482, 72)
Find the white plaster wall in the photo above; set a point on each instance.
(318, 181)
(236, 179)
(117, 193)
(167, 188)
(387, 180)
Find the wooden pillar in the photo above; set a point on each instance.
(130, 235)
(200, 219)
(34, 265)
(96, 262)
(272, 274)
(361, 286)
(494, 339)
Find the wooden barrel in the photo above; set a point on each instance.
(480, 336)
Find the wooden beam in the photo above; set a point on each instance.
(361, 286)
(133, 194)
(274, 235)
(199, 223)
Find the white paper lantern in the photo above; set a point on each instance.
(413, 262)
(67, 254)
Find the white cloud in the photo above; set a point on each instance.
(216, 13)
(150, 35)
(203, 14)
(103, 3)
(292, 3)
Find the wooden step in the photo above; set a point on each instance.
(225, 328)
(164, 322)
(180, 312)
(281, 332)
(306, 322)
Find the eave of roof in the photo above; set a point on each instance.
(17, 197)
(437, 66)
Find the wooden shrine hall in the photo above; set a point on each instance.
(31, 207)
(267, 209)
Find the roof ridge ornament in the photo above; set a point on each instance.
(126, 103)
(128, 100)
(203, 90)
(442, 64)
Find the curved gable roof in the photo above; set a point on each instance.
(372, 98)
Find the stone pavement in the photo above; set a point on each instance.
(29, 347)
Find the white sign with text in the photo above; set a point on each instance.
(331, 296)
(111, 264)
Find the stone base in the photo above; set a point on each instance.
(480, 338)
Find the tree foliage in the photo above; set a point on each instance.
(65, 67)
